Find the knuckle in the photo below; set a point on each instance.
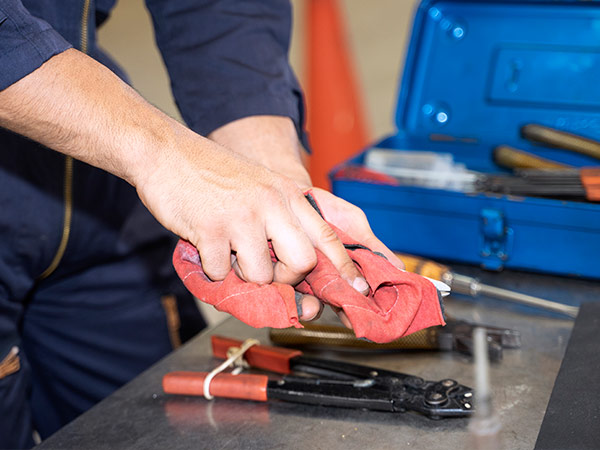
(214, 269)
(327, 235)
(304, 263)
(260, 277)
(348, 268)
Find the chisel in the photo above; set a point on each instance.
(463, 284)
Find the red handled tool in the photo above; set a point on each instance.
(330, 383)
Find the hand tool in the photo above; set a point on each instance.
(573, 183)
(331, 383)
(455, 336)
(466, 285)
(513, 158)
(551, 137)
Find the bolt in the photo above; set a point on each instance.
(441, 117)
(458, 32)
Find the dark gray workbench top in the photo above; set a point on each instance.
(140, 416)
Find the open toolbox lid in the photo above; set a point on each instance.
(478, 70)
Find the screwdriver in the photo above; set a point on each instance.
(463, 284)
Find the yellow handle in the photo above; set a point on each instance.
(424, 267)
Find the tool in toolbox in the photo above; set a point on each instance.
(456, 336)
(513, 158)
(551, 137)
(583, 184)
(463, 284)
(543, 177)
(330, 383)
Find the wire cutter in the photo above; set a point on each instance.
(329, 383)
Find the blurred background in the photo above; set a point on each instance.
(377, 33)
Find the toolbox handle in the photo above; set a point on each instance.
(244, 386)
(274, 359)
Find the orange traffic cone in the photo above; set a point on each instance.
(336, 122)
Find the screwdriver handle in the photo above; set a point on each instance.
(512, 158)
(552, 137)
(425, 267)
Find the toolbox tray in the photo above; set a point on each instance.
(475, 72)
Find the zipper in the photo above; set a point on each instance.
(68, 172)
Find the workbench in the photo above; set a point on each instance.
(141, 416)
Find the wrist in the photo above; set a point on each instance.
(270, 141)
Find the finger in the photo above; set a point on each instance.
(342, 316)
(353, 221)
(215, 258)
(310, 306)
(253, 259)
(324, 238)
(376, 245)
(294, 251)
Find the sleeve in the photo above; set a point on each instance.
(228, 59)
(25, 42)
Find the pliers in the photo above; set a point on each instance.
(329, 383)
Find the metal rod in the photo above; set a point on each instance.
(473, 287)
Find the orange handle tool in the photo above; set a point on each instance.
(244, 386)
(424, 267)
(274, 359)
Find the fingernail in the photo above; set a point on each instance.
(360, 284)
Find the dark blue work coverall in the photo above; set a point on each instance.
(103, 315)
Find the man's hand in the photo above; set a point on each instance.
(218, 200)
(272, 141)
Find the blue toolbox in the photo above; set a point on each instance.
(476, 72)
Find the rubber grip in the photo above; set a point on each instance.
(424, 267)
(590, 178)
(243, 386)
(274, 359)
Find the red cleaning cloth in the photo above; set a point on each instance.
(399, 302)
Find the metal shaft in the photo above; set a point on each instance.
(471, 286)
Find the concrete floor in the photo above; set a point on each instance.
(377, 31)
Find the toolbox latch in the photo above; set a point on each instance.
(496, 239)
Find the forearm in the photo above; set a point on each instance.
(271, 141)
(75, 105)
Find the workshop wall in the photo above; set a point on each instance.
(378, 33)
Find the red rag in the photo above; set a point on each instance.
(398, 303)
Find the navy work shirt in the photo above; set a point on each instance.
(226, 59)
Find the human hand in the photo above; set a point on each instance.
(224, 204)
(272, 142)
